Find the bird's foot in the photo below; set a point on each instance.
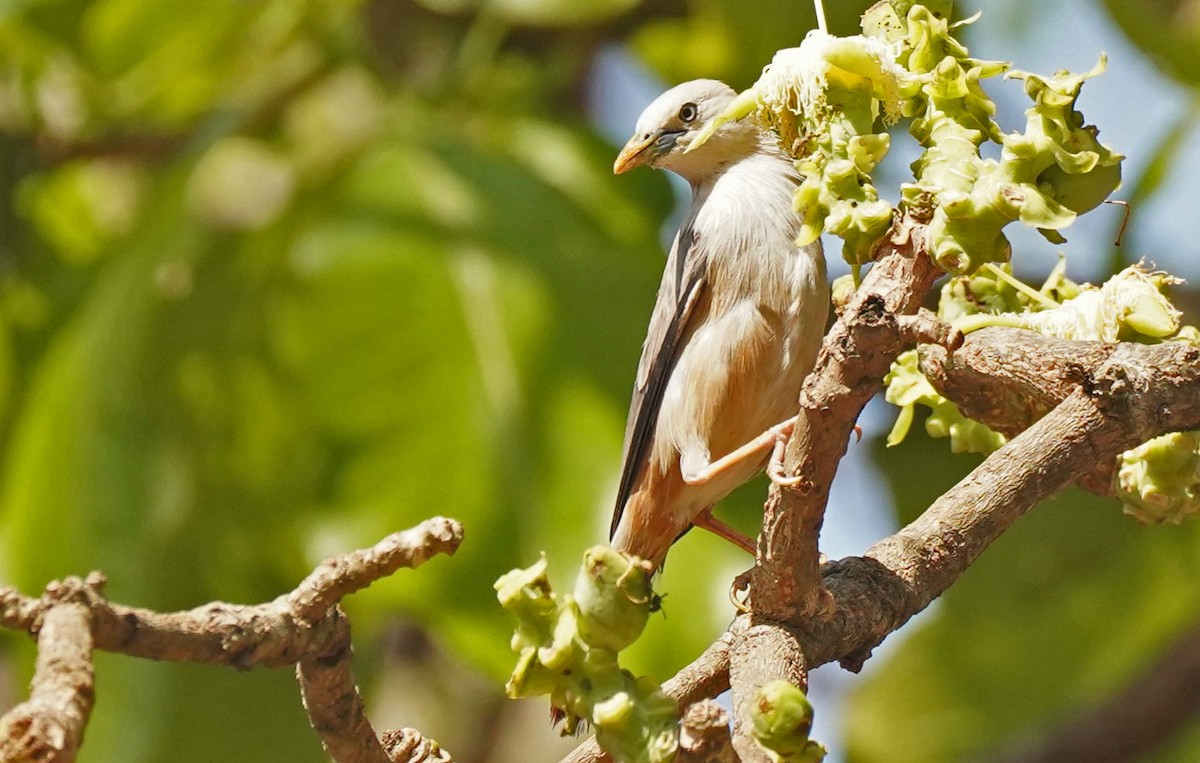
(755, 446)
(775, 470)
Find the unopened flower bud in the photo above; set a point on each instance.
(613, 595)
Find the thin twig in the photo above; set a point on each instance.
(339, 576)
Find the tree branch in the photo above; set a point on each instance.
(339, 576)
(1138, 392)
(48, 727)
(334, 706)
(305, 628)
(786, 583)
(704, 735)
(855, 356)
(1008, 378)
(1102, 399)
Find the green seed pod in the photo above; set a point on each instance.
(813, 752)
(613, 595)
(527, 594)
(782, 718)
(529, 678)
(1188, 334)
(1153, 316)
(841, 291)
(613, 711)
(1159, 481)
(1081, 192)
(562, 648)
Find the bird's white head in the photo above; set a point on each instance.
(669, 125)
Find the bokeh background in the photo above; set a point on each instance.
(280, 277)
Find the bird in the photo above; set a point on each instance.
(736, 326)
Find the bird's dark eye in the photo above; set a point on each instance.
(688, 112)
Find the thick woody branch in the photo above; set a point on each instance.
(704, 735)
(334, 706)
(1139, 392)
(1008, 378)
(1102, 399)
(304, 628)
(1108, 399)
(1121, 395)
(786, 584)
(854, 358)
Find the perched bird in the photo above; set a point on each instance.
(737, 324)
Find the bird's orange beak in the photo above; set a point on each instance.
(637, 151)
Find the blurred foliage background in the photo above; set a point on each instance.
(278, 278)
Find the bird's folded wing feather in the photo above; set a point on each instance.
(675, 311)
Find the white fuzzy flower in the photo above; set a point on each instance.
(797, 79)
(1130, 298)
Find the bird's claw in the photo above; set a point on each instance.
(775, 471)
(776, 475)
(739, 592)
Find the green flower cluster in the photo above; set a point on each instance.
(825, 98)
(568, 649)
(1159, 481)
(907, 388)
(992, 290)
(953, 117)
(782, 718)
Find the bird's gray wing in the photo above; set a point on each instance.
(682, 288)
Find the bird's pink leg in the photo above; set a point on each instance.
(772, 436)
(705, 520)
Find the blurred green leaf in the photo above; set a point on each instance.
(728, 40)
(1166, 31)
(98, 477)
(537, 12)
(83, 206)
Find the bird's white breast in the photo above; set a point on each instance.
(765, 292)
